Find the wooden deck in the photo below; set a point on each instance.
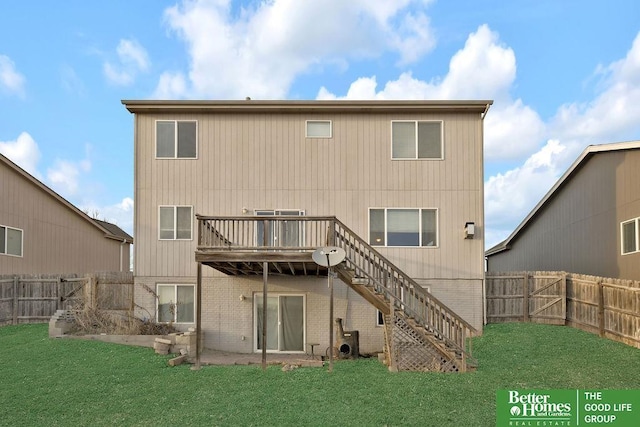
(242, 263)
(283, 245)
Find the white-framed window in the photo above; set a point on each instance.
(175, 303)
(403, 227)
(415, 139)
(629, 242)
(175, 222)
(176, 139)
(318, 129)
(10, 241)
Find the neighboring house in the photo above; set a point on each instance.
(42, 233)
(389, 181)
(588, 223)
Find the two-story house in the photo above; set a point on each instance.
(232, 195)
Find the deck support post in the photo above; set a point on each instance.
(265, 278)
(198, 315)
(330, 280)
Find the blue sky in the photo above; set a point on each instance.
(563, 74)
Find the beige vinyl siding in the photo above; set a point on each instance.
(578, 230)
(263, 160)
(55, 238)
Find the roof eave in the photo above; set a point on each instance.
(265, 106)
(56, 196)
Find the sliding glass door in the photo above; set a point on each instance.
(285, 323)
(280, 233)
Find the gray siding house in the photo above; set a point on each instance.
(42, 233)
(250, 188)
(588, 223)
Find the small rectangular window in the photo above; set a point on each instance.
(175, 222)
(176, 139)
(403, 227)
(416, 140)
(318, 128)
(10, 241)
(629, 236)
(175, 303)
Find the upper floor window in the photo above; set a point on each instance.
(318, 129)
(176, 139)
(403, 227)
(416, 139)
(10, 241)
(175, 222)
(629, 236)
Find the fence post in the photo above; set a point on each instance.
(15, 299)
(525, 298)
(90, 289)
(601, 308)
(58, 293)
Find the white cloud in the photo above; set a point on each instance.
(132, 59)
(11, 81)
(512, 131)
(614, 113)
(23, 151)
(171, 86)
(65, 175)
(260, 51)
(482, 69)
(71, 81)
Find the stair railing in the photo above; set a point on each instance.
(401, 290)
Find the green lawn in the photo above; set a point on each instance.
(75, 382)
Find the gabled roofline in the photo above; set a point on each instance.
(295, 106)
(108, 234)
(580, 161)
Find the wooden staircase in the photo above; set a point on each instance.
(421, 333)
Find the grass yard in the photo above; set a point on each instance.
(74, 382)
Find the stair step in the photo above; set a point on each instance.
(360, 281)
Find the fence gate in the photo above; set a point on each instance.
(548, 299)
(537, 298)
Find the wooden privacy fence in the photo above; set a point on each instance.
(608, 307)
(35, 298)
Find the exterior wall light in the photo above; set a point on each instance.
(469, 230)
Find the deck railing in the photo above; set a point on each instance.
(307, 233)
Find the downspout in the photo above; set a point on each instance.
(121, 250)
(484, 259)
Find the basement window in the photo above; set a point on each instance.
(175, 303)
(629, 236)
